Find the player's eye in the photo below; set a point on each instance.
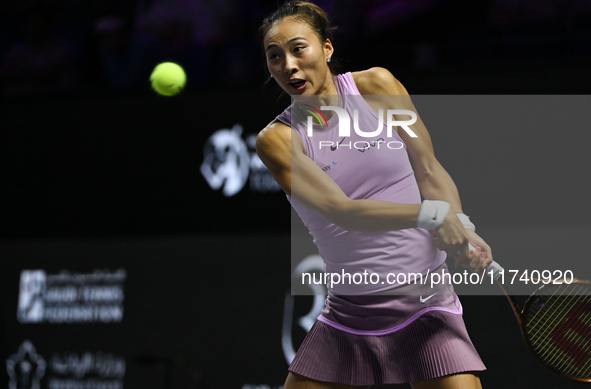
(298, 48)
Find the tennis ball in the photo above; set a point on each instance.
(168, 79)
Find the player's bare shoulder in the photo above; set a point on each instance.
(274, 142)
(377, 81)
(272, 133)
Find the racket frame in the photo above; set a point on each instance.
(519, 314)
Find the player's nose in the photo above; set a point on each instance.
(290, 65)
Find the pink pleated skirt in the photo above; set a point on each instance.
(436, 344)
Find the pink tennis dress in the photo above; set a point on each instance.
(389, 330)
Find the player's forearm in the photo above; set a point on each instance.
(438, 185)
(374, 215)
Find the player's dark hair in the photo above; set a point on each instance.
(306, 12)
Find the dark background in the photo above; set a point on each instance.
(97, 171)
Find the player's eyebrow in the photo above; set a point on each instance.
(291, 40)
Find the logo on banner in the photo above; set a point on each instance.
(25, 368)
(70, 297)
(86, 370)
(65, 370)
(30, 299)
(229, 162)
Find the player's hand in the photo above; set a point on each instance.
(477, 259)
(451, 236)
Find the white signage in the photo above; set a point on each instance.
(71, 297)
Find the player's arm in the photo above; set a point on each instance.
(433, 180)
(307, 184)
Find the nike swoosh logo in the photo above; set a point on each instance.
(424, 300)
(333, 148)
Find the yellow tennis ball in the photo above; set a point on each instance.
(168, 79)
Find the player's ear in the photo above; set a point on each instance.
(328, 48)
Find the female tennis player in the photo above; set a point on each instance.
(360, 198)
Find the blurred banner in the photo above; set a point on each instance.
(147, 313)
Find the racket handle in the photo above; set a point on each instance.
(495, 267)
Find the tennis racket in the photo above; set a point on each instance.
(555, 323)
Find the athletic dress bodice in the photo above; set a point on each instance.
(376, 167)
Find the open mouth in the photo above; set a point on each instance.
(298, 84)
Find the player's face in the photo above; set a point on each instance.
(297, 59)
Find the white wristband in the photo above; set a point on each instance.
(432, 214)
(465, 220)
